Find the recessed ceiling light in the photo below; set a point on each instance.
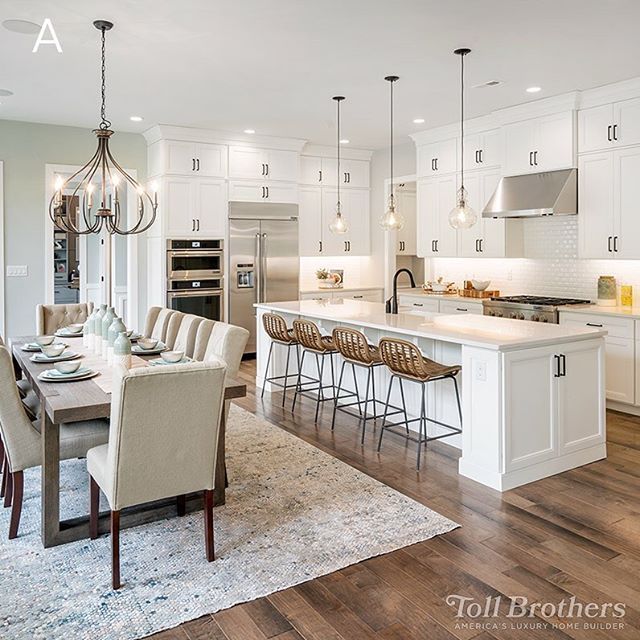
(21, 26)
(533, 89)
(344, 141)
(136, 118)
(249, 131)
(5, 93)
(418, 121)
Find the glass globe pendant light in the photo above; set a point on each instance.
(392, 218)
(462, 216)
(338, 225)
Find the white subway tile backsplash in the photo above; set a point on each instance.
(551, 266)
(358, 270)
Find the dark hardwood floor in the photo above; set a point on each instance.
(575, 534)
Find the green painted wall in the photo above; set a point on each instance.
(25, 149)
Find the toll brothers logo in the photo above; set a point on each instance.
(520, 613)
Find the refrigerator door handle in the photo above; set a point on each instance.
(258, 268)
(263, 266)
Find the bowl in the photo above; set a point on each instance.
(44, 341)
(53, 350)
(69, 366)
(129, 333)
(147, 343)
(480, 285)
(172, 356)
(75, 328)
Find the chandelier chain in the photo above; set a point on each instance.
(104, 124)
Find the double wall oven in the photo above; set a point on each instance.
(195, 270)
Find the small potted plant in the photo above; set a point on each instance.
(323, 278)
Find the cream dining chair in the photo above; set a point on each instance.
(157, 323)
(51, 317)
(202, 339)
(185, 338)
(22, 443)
(176, 435)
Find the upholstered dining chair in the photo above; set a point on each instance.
(202, 339)
(227, 342)
(157, 323)
(22, 444)
(173, 328)
(176, 435)
(51, 317)
(185, 338)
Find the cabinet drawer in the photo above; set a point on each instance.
(366, 295)
(416, 304)
(616, 327)
(453, 306)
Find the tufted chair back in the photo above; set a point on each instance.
(51, 317)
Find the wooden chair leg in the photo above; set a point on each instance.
(94, 508)
(2, 465)
(181, 504)
(208, 525)
(8, 489)
(115, 549)
(3, 486)
(16, 508)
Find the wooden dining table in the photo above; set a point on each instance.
(68, 402)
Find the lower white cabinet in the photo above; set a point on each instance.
(619, 351)
(458, 306)
(416, 303)
(261, 191)
(544, 422)
(366, 295)
(413, 304)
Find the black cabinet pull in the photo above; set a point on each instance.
(609, 243)
(535, 158)
(477, 160)
(198, 220)
(615, 244)
(262, 169)
(615, 132)
(193, 164)
(345, 245)
(477, 246)
(531, 158)
(418, 304)
(197, 164)
(348, 177)
(357, 297)
(437, 246)
(320, 246)
(480, 152)
(594, 324)
(433, 246)
(320, 175)
(349, 243)
(267, 188)
(461, 309)
(437, 164)
(557, 364)
(433, 165)
(609, 129)
(481, 247)
(193, 224)
(563, 362)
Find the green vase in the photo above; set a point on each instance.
(97, 329)
(607, 291)
(117, 327)
(107, 319)
(122, 350)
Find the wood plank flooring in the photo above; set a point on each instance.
(575, 534)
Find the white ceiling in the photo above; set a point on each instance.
(273, 65)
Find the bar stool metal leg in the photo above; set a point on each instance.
(286, 376)
(386, 411)
(336, 395)
(423, 424)
(266, 370)
(404, 406)
(299, 381)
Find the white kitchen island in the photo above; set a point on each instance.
(533, 395)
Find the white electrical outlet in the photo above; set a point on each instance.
(480, 370)
(17, 271)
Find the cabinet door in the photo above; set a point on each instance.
(281, 192)
(595, 128)
(178, 207)
(247, 191)
(310, 221)
(246, 162)
(472, 148)
(491, 149)
(627, 118)
(460, 306)
(356, 210)
(494, 232)
(211, 207)
(357, 173)
(281, 165)
(311, 170)
(581, 424)
(438, 158)
(554, 142)
(595, 202)
(333, 244)
(447, 238)
(180, 157)
(406, 237)
(426, 217)
(211, 160)
(469, 239)
(518, 146)
(626, 190)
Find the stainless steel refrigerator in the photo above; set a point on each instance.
(264, 262)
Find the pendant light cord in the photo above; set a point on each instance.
(339, 207)
(391, 138)
(104, 124)
(462, 123)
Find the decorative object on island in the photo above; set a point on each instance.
(392, 219)
(115, 329)
(474, 293)
(462, 216)
(106, 218)
(607, 294)
(338, 224)
(329, 279)
(439, 287)
(122, 351)
(480, 285)
(626, 295)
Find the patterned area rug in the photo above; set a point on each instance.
(293, 513)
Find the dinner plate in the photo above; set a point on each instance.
(65, 355)
(161, 362)
(34, 346)
(53, 375)
(139, 351)
(63, 333)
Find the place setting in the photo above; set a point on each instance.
(148, 347)
(170, 357)
(67, 371)
(75, 330)
(42, 342)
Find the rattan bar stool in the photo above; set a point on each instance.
(357, 352)
(406, 362)
(313, 342)
(275, 327)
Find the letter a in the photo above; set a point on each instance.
(47, 24)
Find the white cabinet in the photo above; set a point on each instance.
(310, 221)
(483, 150)
(311, 172)
(365, 295)
(609, 126)
(267, 164)
(406, 244)
(321, 171)
(546, 421)
(176, 157)
(417, 305)
(194, 207)
(435, 199)
(540, 144)
(608, 192)
(258, 191)
(460, 306)
(438, 158)
(619, 350)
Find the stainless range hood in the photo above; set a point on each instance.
(535, 194)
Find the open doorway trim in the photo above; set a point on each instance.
(131, 311)
(2, 271)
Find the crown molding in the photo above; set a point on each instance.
(538, 108)
(326, 151)
(598, 96)
(448, 131)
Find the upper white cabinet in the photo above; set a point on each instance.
(608, 192)
(310, 221)
(437, 158)
(483, 150)
(262, 191)
(540, 144)
(252, 163)
(435, 199)
(609, 126)
(406, 244)
(176, 157)
(322, 171)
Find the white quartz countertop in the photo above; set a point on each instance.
(467, 329)
(594, 309)
(329, 289)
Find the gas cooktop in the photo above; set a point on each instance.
(535, 308)
(540, 300)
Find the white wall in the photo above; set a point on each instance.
(25, 148)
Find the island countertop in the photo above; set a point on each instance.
(502, 334)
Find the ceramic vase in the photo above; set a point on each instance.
(97, 330)
(115, 329)
(607, 291)
(107, 319)
(122, 350)
(87, 332)
(626, 295)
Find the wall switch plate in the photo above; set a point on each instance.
(17, 271)
(480, 370)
